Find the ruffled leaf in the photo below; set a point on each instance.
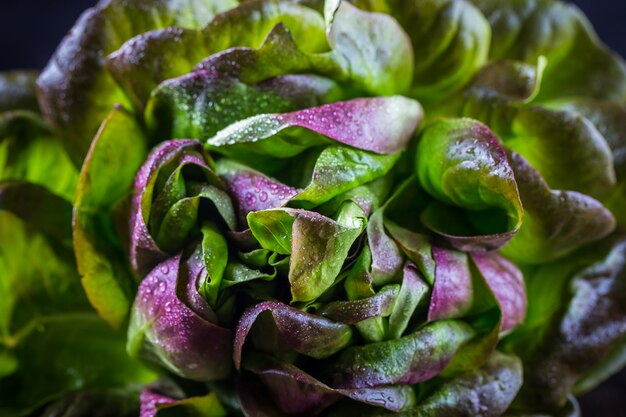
(556, 222)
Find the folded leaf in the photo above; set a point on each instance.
(166, 206)
(166, 330)
(302, 332)
(460, 162)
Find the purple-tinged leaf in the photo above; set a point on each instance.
(75, 90)
(486, 392)
(138, 65)
(383, 125)
(414, 358)
(252, 190)
(453, 291)
(386, 257)
(150, 399)
(167, 331)
(353, 312)
(164, 211)
(506, 282)
(297, 393)
(590, 326)
(303, 332)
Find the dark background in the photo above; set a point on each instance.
(31, 29)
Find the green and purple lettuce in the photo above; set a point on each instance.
(272, 208)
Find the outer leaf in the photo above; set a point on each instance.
(556, 222)
(76, 91)
(29, 151)
(460, 162)
(578, 63)
(105, 181)
(109, 403)
(450, 40)
(137, 65)
(610, 120)
(371, 47)
(25, 200)
(76, 340)
(591, 325)
(559, 143)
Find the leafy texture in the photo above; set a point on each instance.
(165, 330)
(76, 91)
(259, 206)
(99, 253)
(578, 63)
(450, 42)
(556, 222)
(460, 162)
